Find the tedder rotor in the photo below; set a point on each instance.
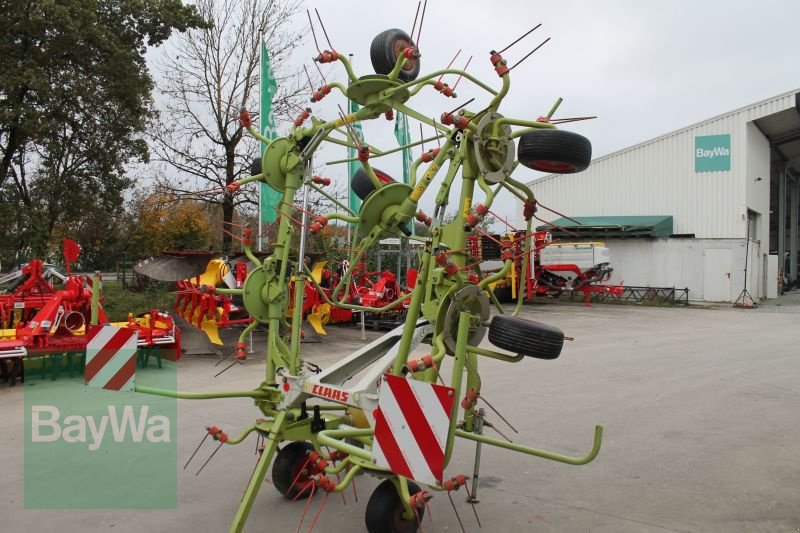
(380, 411)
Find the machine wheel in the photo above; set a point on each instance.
(555, 151)
(291, 470)
(385, 510)
(363, 186)
(386, 48)
(526, 337)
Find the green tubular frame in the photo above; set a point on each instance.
(266, 290)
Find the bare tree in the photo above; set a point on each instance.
(208, 77)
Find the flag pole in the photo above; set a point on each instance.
(260, 231)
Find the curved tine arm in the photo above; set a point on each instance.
(598, 439)
(334, 438)
(258, 394)
(438, 73)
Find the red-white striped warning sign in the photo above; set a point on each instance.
(411, 425)
(111, 357)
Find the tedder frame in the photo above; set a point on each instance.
(332, 413)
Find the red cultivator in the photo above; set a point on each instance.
(545, 279)
(36, 319)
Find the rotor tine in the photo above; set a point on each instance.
(462, 105)
(230, 352)
(461, 75)
(529, 54)
(472, 503)
(414, 26)
(421, 20)
(313, 33)
(518, 40)
(297, 477)
(196, 450)
(486, 423)
(437, 132)
(310, 83)
(251, 475)
(209, 458)
(430, 517)
(316, 64)
(449, 497)
(498, 414)
(319, 512)
(227, 368)
(450, 64)
(323, 29)
(305, 509)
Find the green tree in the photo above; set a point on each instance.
(75, 96)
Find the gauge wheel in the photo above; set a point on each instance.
(555, 151)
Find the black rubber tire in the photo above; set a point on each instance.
(363, 186)
(385, 510)
(255, 167)
(555, 151)
(526, 337)
(386, 47)
(286, 467)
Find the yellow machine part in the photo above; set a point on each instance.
(592, 243)
(318, 317)
(316, 272)
(357, 418)
(209, 327)
(216, 269)
(321, 314)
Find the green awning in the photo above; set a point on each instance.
(610, 227)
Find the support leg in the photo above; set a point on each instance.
(258, 474)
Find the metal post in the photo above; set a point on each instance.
(95, 309)
(782, 220)
(793, 215)
(363, 327)
(400, 260)
(408, 257)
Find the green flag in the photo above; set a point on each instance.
(353, 166)
(404, 137)
(268, 198)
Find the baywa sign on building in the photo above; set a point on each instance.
(712, 153)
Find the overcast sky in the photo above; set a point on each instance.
(644, 68)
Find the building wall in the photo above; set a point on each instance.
(712, 269)
(758, 166)
(658, 177)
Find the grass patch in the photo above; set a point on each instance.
(118, 302)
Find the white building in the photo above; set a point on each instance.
(714, 179)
